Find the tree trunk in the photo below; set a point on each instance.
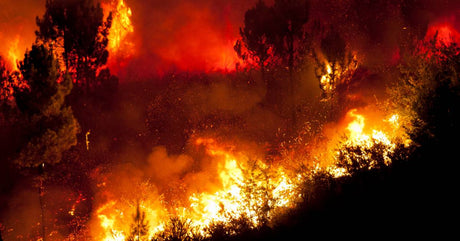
(41, 192)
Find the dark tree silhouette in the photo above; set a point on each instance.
(49, 125)
(9, 81)
(290, 35)
(337, 65)
(76, 28)
(257, 34)
(177, 229)
(427, 92)
(290, 40)
(277, 33)
(139, 227)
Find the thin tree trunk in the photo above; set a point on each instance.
(41, 192)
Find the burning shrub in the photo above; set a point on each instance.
(177, 229)
(356, 158)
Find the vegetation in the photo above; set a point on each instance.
(407, 189)
(78, 31)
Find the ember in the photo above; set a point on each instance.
(129, 120)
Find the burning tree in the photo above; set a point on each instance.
(77, 31)
(335, 65)
(139, 227)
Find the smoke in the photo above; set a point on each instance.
(184, 35)
(378, 29)
(199, 36)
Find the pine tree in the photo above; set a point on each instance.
(139, 227)
(49, 125)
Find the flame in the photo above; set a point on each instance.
(384, 132)
(333, 74)
(246, 188)
(326, 79)
(121, 27)
(121, 46)
(270, 186)
(446, 33)
(14, 53)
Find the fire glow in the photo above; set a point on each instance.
(178, 131)
(246, 187)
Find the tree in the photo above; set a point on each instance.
(290, 35)
(49, 125)
(336, 66)
(177, 229)
(256, 35)
(76, 28)
(139, 227)
(9, 80)
(277, 33)
(428, 91)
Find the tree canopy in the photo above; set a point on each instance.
(49, 125)
(77, 29)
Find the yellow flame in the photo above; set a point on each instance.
(14, 53)
(121, 28)
(326, 79)
(246, 189)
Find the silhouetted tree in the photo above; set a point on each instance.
(277, 33)
(76, 28)
(428, 91)
(337, 65)
(290, 35)
(9, 81)
(177, 229)
(358, 158)
(257, 35)
(139, 227)
(49, 125)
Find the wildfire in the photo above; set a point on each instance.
(14, 53)
(326, 79)
(446, 33)
(333, 74)
(358, 145)
(121, 46)
(247, 188)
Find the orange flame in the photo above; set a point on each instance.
(14, 53)
(246, 189)
(121, 46)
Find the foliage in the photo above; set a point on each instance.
(276, 32)
(290, 35)
(357, 158)
(336, 65)
(77, 29)
(139, 227)
(9, 81)
(177, 229)
(428, 90)
(50, 127)
(256, 35)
